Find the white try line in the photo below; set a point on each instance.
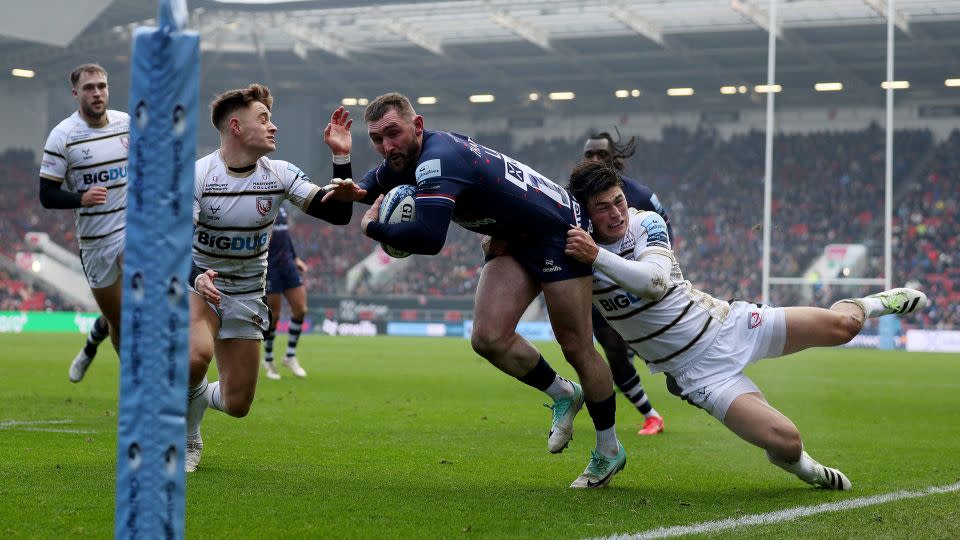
(709, 527)
(32, 422)
(30, 425)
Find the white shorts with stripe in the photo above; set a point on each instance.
(716, 379)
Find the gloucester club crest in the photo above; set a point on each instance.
(264, 204)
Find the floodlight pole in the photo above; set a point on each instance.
(768, 159)
(888, 175)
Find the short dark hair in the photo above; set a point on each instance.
(232, 100)
(85, 68)
(381, 105)
(618, 152)
(590, 178)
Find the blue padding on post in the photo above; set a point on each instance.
(164, 88)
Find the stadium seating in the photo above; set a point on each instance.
(828, 189)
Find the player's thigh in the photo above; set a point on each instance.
(569, 304)
(237, 363)
(817, 327)
(109, 301)
(297, 298)
(204, 326)
(275, 303)
(759, 423)
(504, 292)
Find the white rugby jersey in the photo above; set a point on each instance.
(666, 333)
(86, 157)
(234, 218)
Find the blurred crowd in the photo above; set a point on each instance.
(828, 188)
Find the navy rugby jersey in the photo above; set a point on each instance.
(478, 188)
(641, 197)
(281, 250)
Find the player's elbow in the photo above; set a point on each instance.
(45, 200)
(655, 287)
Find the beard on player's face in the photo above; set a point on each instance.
(402, 159)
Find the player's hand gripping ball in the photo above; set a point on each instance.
(398, 207)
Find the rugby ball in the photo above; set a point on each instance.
(398, 207)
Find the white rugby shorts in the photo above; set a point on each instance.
(102, 265)
(240, 318)
(715, 380)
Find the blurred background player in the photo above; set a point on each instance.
(701, 343)
(238, 192)
(492, 194)
(283, 280)
(88, 152)
(600, 147)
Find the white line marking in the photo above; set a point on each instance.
(50, 430)
(708, 527)
(32, 422)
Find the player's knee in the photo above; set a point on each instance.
(573, 342)
(488, 344)
(237, 408)
(846, 328)
(786, 443)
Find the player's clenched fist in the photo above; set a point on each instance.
(580, 246)
(93, 197)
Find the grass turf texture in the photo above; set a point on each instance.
(419, 438)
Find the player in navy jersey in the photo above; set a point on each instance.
(283, 280)
(601, 147)
(489, 193)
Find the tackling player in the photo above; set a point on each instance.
(283, 280)
(701, 343)
(489, 193)
(87, 152)
(601, 148)
(237, 196)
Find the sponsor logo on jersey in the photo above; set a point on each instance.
(477, 223)
(756, 319)
(264, 204)
(629, 241)
(215, 209)
(105, 175)
(125, 141)
(428, 169)
(620, 301)
(550, 266)
(233, 243)
(86, 153)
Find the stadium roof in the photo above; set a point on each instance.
(453, 49)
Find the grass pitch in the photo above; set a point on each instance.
(419, 438)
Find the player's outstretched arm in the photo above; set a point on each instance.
(648, 278)
(338, 138)
(425, 235)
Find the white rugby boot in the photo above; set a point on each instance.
(293, 365)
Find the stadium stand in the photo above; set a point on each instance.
(828, 189)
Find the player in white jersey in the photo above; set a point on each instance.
(702, 343)
(237, 196)
(87, 152)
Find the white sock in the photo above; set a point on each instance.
(805, 468)
(653, 412)
(197, 401)
(872, 306)
(607, 443)
(215, 396)
(560, 388)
